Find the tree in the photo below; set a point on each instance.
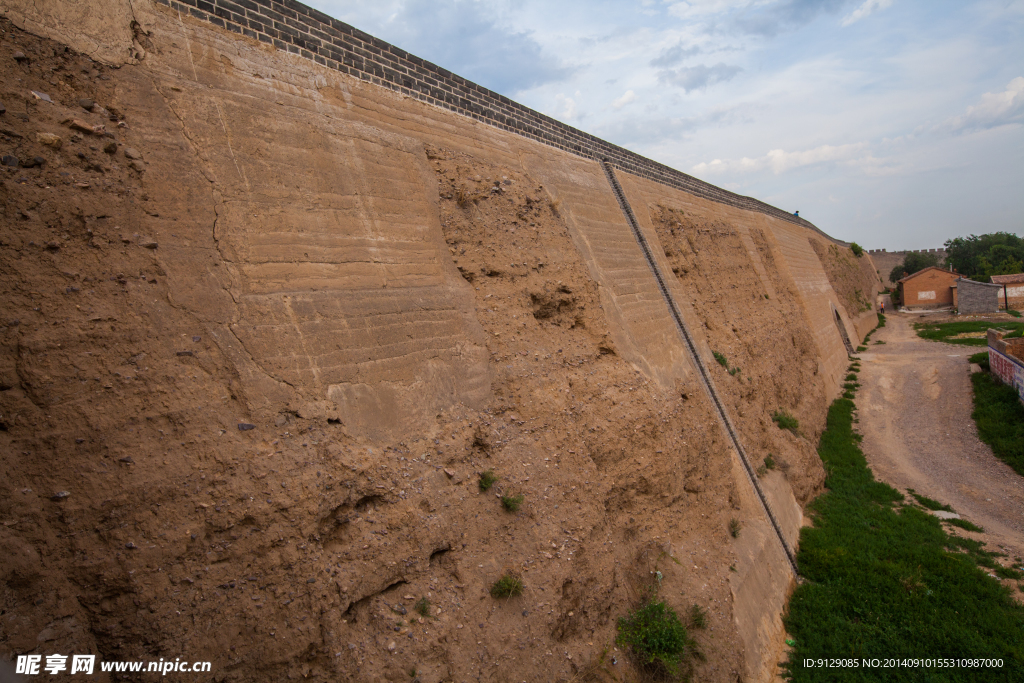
(912, 263)
(979, 257)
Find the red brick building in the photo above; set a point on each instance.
(928, 288)
(1013, 290)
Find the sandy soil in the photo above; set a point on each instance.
(915, 415)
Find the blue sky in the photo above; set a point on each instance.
(893, 123)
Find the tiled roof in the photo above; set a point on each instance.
(1015, 279)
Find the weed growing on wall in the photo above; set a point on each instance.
(655, 636)
(785, 421)
(487, 480)
(508, 586)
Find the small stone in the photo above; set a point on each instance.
(281, 421)
(130, 545)
(86, 103)
(391, 646)
(10, 160)
(132, 153)
(400, 609)
(449, 473)
(307, 580)
(3, 109)
(19, 56)
(196, 338)
(128, 460)
(41, 96)
(148, 243)
(110, 147)
(60, 495)
(137, 165)
(186, 353)
(244, 427)
(50, 140)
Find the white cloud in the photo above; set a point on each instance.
(566, 106)
(627, 97)
(869, 7)
(994, 109)
(780, 161)
(698, 77)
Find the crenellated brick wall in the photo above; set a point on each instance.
(302, 30)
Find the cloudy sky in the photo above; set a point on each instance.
(893, 123)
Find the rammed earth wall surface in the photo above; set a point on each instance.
(302, 30)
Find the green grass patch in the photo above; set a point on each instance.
(947, 332)
(881, 320)
(1000, 418)
(722, 360)
(964, 524)
(1015, 314)
(981, 358)
(785, 421)
(886, 580)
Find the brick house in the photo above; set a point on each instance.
(1012, 296)
(970, 296)
(928, 288)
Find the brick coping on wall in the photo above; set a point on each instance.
(301, 30)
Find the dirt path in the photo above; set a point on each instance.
(915, 414)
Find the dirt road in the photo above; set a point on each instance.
(915, 414)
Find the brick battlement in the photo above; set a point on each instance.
(293, 27)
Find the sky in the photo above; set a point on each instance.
(897, 124)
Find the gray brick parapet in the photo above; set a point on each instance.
(293, 27)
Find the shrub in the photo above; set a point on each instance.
(734, 527)
(785, 421)
(769, 462)
(721, 359)
(487, 480)
(422, 607)
(655, 636)
(857, 250)
(512, 503)
(508, 586)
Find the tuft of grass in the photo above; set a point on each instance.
(734, 371)
(508, 586)
(422, 607)
(888, 581)
(512, 503)
(945, 332)
(655, 636)
(999, 415)
(852, 377)
(862, 348)
(785, 421)
(881, 320)
(1009, 573)
(1015, 314)
(722, 360)
(981, 358)
(929, 503)
(734, 527)
(698, 617)
(964, 524)
(769, 462)
(487, 480)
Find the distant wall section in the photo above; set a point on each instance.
(885, 261)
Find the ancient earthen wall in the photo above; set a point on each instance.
(345, 269)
